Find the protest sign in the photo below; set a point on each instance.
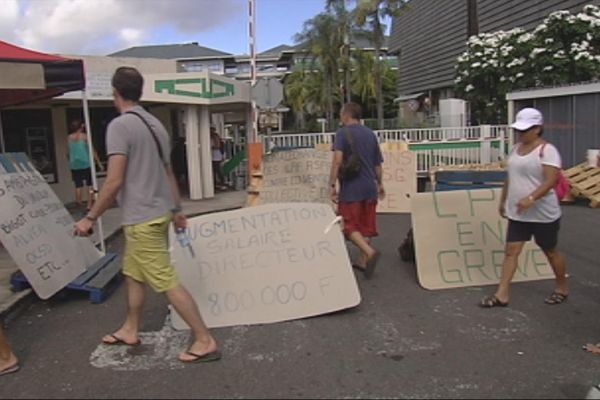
(399, 181)
(297, 175)
(302, 175)
(460, 238)
(265, 264)
(36, 230)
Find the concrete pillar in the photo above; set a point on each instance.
(485, 133)
(192, 139)
(511, 118)
(208, 187)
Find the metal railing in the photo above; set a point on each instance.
(433, 146)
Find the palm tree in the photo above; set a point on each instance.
(345, 28)
(370, 13)
(321, 40)
(363, 81)
(296, 95)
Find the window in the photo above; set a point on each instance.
(30, 132)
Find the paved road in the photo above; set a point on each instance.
(402, 341)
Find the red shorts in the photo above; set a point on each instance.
(359, 216)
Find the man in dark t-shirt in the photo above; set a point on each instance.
(357, 198)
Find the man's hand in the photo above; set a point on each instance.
(83, 227)
(179, 220)
(334, 195)
(380, 191)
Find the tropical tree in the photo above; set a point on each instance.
(321, 40)
(363, 82)
(370, 13)
(345, 28)
(296, 96)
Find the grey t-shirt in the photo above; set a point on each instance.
(146, 193)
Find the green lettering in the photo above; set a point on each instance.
(478, 263)
(437, 208)
(461, 233)
(497, 234)
(452, 271)
(473, 200)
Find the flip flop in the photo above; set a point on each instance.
(491, 302)
(592, 348)
(120, 342)
(10, 370)
(208, 357)
(358, 267)
(556, 298)
(371, 264)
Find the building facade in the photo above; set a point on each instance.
(187, 103)
(430, 35)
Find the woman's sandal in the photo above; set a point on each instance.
(556, 298)
(592, 348)
(491, 302)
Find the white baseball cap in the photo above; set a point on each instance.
(526, 118)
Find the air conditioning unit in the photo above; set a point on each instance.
(453, 113)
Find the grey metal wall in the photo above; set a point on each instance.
(572, 123)
(507, 14)
(431, 34)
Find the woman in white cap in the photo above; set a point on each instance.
(529, 202)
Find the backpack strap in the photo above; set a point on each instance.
(350, 139)
(158, 147)
(542, 149)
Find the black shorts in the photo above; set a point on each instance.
(81, 175)
(544, 233)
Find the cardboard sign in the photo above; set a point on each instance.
(36, 230)
(297, 175)
(460, 239)
(265, 264)
(303, 176)
(399, 181)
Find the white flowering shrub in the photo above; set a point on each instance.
(492, 65)
(565, 48)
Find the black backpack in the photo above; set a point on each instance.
(407, 247)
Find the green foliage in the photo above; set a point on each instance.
(565, 48)
(316, 88)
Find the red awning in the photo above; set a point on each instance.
(61, 75)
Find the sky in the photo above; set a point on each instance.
(100, 27)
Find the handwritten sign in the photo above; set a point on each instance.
(265, 264)
(303, 176)
(297, 175)
(399, 180)
(36, 230)
(460, 239)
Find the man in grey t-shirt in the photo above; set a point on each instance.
(140, 176)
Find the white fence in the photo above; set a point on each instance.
(433, 146)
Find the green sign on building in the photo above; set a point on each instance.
(213, 89)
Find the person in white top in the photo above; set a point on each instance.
(531, 205)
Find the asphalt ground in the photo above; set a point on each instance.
(401, 342)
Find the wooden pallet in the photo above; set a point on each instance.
(99, 280)
(585, 182)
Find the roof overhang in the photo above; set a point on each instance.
(408, 97)
(569, 90)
